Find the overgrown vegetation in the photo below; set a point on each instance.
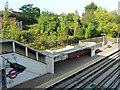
(47, 30)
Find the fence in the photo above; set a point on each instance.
(100, 39)
(98, 45)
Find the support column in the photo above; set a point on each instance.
(26, 51)
(13, 46)
(37, 56)
(53, 66)
(92, 52)
(50, 64)
(47, 62)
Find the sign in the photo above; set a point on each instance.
(2, 77)
(13, 74)
(63, 57)
(92, 85)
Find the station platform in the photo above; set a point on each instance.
(49, 79)
(70, 73)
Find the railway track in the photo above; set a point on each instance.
(103, 74)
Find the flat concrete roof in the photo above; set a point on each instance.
(70, 49)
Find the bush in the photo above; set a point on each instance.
(26, 37)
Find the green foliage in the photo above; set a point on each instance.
(113, 17)
(89, 30)
(77, 24)
(91, 7)
(27, 37)
(111, 29)
(76, 39)
(107, 22)
(14, 32)
(101, 16)
(64, 29)
(48, 22)
(87, 18)
(40, 42)
(9, 29)
(70, 23)
(5, 21)
(50, 30)
(28, 15)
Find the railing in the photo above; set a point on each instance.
(98, 45)
(24, 50)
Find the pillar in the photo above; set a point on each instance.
(37, 56)
(13, 46)
(26, 51)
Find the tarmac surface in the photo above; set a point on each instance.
(64, 67)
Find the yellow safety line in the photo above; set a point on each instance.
(70, 72)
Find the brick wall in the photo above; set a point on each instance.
(1, 19)
(12, 19)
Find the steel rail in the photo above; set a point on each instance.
(116, 88)
(112, 83)
(100, 84)
(93, 73)
(63, 85)
(98, 75)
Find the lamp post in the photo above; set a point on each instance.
(103, 38)
(118, 38)
(118, 41)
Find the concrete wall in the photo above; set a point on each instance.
(96, 39)
(100, 39)
(20, 49)
(50, 64)
(6, 47)
(41, 58)
(33, 69)
(31, 54)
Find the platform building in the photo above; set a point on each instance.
(70, 52)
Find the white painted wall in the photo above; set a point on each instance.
(33, 69)
(92, 52)
(50, 64)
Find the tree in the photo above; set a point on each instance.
(91, 7)
(28, 15)
(70, 23)
(77, 24)
(5, 23)
(113, 17)
(111, 29)
(60, 37)
(63, 30)
(9, 29)
(102, 18)
(87, 18)
(48, 22)
(89, 30)
(14, 32)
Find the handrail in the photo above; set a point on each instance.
(25, 56)
(25, 50)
